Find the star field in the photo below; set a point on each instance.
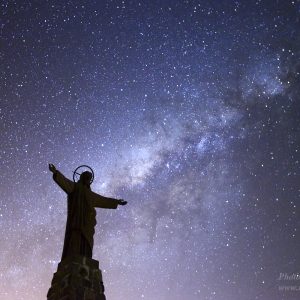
(188, 110)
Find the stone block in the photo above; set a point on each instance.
(77, 278)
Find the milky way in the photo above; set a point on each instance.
(189, 110)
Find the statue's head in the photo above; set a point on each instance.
(86, 178)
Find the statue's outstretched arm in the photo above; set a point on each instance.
(66, 184)
(103, 202)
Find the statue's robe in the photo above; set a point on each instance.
(81, 220)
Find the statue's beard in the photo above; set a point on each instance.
(88, 185)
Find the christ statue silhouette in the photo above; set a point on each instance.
(81, 219)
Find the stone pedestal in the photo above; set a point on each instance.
(77, 278)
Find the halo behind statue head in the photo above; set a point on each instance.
(81, 169)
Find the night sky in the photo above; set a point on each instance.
(189, 110)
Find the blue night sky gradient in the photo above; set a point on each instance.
(189, 110)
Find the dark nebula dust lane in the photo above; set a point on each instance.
(189, 110)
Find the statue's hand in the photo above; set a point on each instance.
(122, 202)
(52, 168)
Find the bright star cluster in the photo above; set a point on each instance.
(189, 110)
